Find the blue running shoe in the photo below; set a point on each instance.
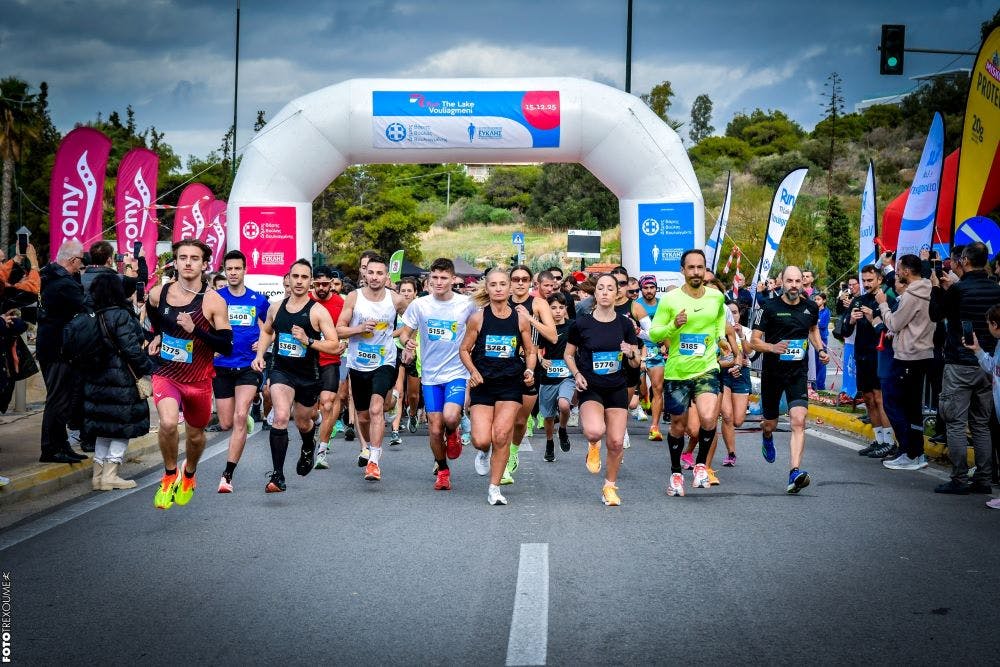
(338, 427)
(797, 480)
(767, 448)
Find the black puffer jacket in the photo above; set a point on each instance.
(968, 299)
(61, 299)
(112, 407)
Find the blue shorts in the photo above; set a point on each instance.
(737, 385)
(436, 395)
(654, 358)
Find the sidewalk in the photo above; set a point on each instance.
(20, 448)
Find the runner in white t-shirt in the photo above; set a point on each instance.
(439, 319)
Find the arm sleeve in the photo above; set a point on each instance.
(644, 325)
(220, 341)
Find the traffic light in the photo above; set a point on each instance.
(892, 49)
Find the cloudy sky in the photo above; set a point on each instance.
(173, 59)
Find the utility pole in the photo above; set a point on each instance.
(236, 85)
(628, 50)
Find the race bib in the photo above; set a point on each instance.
(501, 347)
(694, 345)
(796, 350)
(370, 356)
(558, 369)
(606, 363)
(379, 328)
(445, 330)
(289, 347)
(242, 316)
(177, 349)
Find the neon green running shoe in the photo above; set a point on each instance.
(512, 458)
(507, 478)
(529, 429)
(164, 498)
(184, 490)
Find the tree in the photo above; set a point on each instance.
(840, 242)
(658, 100)
(987, 27)
(511, 187)
(944, 94)
(701, 118)
(567, 196)
(259, 124)
(711, 149)
(19, 126)
(833, 107)
(767, 133)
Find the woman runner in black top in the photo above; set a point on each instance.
(597, 348)
(495, 339)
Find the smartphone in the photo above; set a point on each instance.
(119, 257)
(22, 244)
(140, 293)
(967, 332)
(136, 248)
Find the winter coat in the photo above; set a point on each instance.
(968, 299)
(111, 403)
(911, 322)
(61, 299)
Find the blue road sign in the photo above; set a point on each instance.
(517, 238)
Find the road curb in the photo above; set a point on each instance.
(40, 479)
(825, 416)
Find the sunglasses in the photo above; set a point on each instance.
(322, 283)
(622, 283)
(632, 291)
(519, 279)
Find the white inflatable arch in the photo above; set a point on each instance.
(366, 121)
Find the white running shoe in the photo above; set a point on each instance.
(640, 414)
(574, 417)
(676, 486)
(494, 497)
(482, 462)
(321, 462)
(904, 462)
(701, 480)
(626, 443)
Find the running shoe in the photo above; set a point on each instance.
(454, 445)
(506, 479)
(865, 451)
(466, 424)
(574, 417)
(626, 441)
(687, 460)
(411, 424)
(395, 440)
(609, 495)
(225, 485)
(655, 435)
(594, 457)
(676, 486)
(700, 480)
(305, 464)
(529, 428)
(349, 432)
(275, 482)
(372, 472)
(338, 427)
(466, 436)
(767, 448)
(550, 451)
(904, 462)
(443, 482)
(184, 490)
(482, 463)
(321, 462)
(564, 443)
(713, 479)
(363, 457)
(164, 497)
(512, 459)
(494, 497)
(797, 480)
(993, 504)
(730, 460)
(249, 425)
(640, 414)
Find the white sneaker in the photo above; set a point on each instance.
(701, 480)
(893, 464)
(494, 497)
(626, 443)
(640, 414)
(904, 462)
(574, 417)
(676, 486)
(321, 462)
(466, 424)
(482, 462)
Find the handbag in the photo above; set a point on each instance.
(142, 385)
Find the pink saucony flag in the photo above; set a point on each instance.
(77, 188)
(215, 236)
(190, 221)
(135, 193)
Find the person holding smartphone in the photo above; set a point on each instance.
(966, 392)
(991, 365)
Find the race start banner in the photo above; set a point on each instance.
(916, 229)
(77, 188)
(869, 222)
(135, 194)
(781, 210)
(979, 161)
(471, 119)
(713, 245)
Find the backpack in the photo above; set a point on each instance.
(83, 344)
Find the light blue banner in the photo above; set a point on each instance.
(916, 229)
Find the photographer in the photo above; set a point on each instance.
(19, 287)
(103, 260)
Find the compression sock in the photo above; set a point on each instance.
(676, 446)
(230, 469)
(187, 474)
(279, 447)
(170, 471)
(442, 464)
(308, 439)
(376, 456)
(705, 438)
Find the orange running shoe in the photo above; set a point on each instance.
(372, 472)
(164, 498)
(594, 457)
(655, 435)
(610, 496)
(443, 482)
(713, 479)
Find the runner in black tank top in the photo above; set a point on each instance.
(543, 327)
(500, 357)
(290, 356)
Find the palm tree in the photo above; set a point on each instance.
(18, 126)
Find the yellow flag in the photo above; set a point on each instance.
(981, 134)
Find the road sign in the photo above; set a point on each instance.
(517, 238)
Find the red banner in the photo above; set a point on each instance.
(215, 235)
(135, 194)
(190, 221)
(76, 198)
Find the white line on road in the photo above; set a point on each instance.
(854, 446)
(529, 625)
(58, 518)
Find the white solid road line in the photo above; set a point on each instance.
(857, 447)
(529, 624)
(58, 518)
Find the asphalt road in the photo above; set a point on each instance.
(865, 565)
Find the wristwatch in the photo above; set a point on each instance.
(309, 342)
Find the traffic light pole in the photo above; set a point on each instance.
(944, 51)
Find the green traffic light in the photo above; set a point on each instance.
(892, 61)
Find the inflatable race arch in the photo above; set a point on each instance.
(365, 121)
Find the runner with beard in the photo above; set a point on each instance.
(329, 364)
